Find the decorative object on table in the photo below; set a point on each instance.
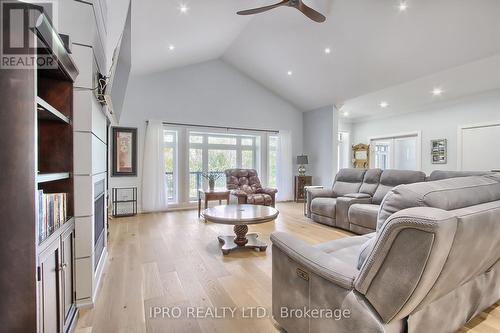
(210, 196)
(302, 161)
(439, 151)
(361, 156)
(299, 184)
(124, 201)
(240, 216)
(244, 184)
(307, 188)
(212, 177)
(124, 151)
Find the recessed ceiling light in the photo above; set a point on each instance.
(328, 50)
(345, 114)
(183, 8)
(384, 104)
(289, 73)
(171, 47)
(437, 91)
(403, 6)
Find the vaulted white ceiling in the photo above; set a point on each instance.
(374, 46)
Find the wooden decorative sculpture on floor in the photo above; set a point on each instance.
(361, 156)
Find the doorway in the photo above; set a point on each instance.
(401, 152)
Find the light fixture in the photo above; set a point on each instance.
(171, 47)
(183, 8)
(290, 73)
(384, 104)
(345, 114)
(437, 91)
(328, 50)
(403, 6)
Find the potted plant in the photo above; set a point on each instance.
(212, 177)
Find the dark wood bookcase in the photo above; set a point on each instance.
(37, 276)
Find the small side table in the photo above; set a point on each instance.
(299, 184)
(307, 188)
(217, 194)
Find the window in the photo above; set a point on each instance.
(214, 152)
(170, 148)
(272, 160)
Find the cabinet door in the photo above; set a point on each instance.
(49, 289)
(67, 285)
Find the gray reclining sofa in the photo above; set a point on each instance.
(431, 266)
(355, 197)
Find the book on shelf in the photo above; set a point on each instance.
(52, 209)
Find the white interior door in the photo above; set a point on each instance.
(405, 153)
(479, 149)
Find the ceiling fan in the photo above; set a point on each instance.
(298, 4)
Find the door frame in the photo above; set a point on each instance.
(460, 130)
(418, 134)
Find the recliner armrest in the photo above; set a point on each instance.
(268, 190)
(239, 193)
(326, 265)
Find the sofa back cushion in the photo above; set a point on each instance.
(370, 181)
(448, 194)
(348, 181)
(392, 178)
(244, 179)
(442, 174)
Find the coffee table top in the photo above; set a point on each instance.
(240, 214)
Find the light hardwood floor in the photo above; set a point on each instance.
(173, 260)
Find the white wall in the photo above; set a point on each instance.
(210, 93)
(439, 122)
(319, 136)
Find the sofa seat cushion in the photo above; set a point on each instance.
(324, 207)
(259, 199)
(364, 215)
(346, 249)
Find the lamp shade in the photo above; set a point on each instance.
(302, 160)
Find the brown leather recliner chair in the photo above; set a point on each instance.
(245, 186)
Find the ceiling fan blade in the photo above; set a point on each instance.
(311, 13)
(263, 9)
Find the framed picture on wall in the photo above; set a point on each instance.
(124, 151)
(439, 151)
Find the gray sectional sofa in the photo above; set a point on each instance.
(355, 197)
(432, 264)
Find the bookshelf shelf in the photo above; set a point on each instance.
(48, 112)
(51, 177)
(44, 243)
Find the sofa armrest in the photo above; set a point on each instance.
(316, 261)
(358, 195)
(316, 193)
(238, 193)
(268, 190)
(344, 204)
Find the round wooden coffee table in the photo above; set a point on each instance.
(240, 216)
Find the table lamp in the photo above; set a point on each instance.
(302, 161)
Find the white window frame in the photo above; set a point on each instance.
(238, 148)
(175, 177)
